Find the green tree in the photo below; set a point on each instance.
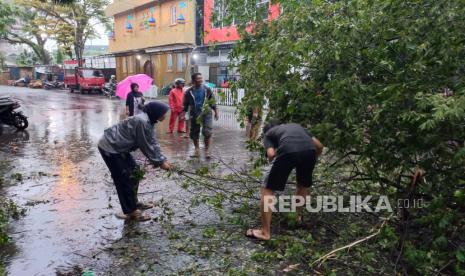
(19, 25)
(382, 84)
(64, 2)
(2, 60)
(6, 16)
(27, 58)
(59, 56)
(74, 23)
(64, 37)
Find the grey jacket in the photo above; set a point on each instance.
(133, 133)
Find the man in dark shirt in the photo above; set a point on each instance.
(199, 101)
(288, 147)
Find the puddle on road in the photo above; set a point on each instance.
(66, 187)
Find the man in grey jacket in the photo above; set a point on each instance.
(118, 141)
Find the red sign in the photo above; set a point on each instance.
(229, 33)
(71, 63)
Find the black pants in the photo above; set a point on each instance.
(121, 167)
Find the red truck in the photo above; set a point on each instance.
(83, 79)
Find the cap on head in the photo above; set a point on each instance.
(179, 81)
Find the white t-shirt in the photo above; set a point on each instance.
(138, 105)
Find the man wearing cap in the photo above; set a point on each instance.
(176, 105)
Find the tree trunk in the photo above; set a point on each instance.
(79, 51)
(78, 37)
(40, 50)
(79, 45)
(40, 53)
(45, 57)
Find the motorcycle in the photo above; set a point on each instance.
(9, 116)
(22, 82)
(54, 85)
(109, 89)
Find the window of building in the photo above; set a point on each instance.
(112, 62)
(263, 7)
(109, 62)
(180, 62)
(173, 15)
(218, 14)
(220, 11)
(169, 62)
(96, 62)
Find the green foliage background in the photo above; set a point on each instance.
(381, 84)
(27, 58)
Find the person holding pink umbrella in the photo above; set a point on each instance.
(131, 89)
(134, 101)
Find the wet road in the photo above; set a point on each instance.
(66, 188)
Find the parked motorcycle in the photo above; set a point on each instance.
(9, 116)
(22, 81)
(54, 85)
(109, 89)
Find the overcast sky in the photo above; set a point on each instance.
(101, 39)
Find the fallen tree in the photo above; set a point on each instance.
(382, 84)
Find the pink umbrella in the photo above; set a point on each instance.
(124, 87)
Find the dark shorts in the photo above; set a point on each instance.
(282, 166)
(206, 126)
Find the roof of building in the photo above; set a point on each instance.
(121, 6)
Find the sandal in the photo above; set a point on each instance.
(135, 216)
(139, 216)
(251, 234)
(144, 206)
(196, 154)
(122, 216)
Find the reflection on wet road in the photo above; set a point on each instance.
(66, 187)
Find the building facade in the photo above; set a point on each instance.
(211, 56)
(153, 37)
(167, 39)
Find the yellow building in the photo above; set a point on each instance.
(153, 37)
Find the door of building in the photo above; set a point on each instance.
(148, 68)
